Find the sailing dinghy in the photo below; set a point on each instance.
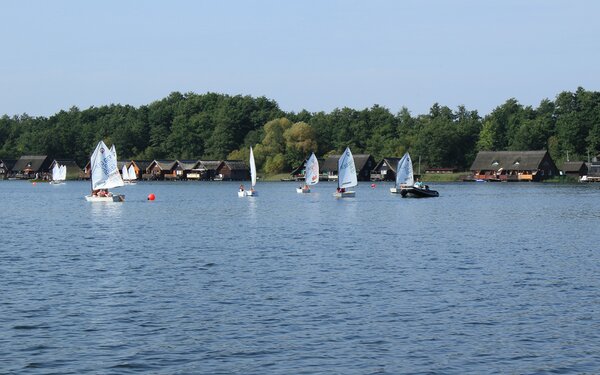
(251, 192)
(404, 174)
(311, 174)
(59, 174)
(132, 174)
(346, 175)
(104, 174)
(125, 174)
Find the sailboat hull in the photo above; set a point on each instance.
(346, 194)
(252, 193)
(302, 191)
(241, 194)
(113, 198)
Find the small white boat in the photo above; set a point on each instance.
(404, 175)
(132, 174)
(251, 192)
(128, 174)
(311, 174)
(346, 175)
(104, 174)
(59, 174)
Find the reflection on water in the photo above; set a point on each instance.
(105, 211)
(201, 281)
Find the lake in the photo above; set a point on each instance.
(488, 278)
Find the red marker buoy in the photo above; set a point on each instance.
(373, 186)
(151, 197)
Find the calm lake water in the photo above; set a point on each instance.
(487, 278)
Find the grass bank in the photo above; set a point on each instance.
(274, 177)
(443, 177)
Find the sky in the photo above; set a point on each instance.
(314, 55)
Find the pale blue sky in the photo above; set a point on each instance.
(313, 54)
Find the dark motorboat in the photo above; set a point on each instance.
(415, 192)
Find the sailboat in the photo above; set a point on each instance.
(404, 174)
(104, 174)
(311, 174)
(251, 192)
(59, 174)
(132, 174)
(125, 174)
(405, 181)
(346, 175)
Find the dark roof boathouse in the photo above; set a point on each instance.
(32, 166)
(232, 170)
(385, 170)
(513, 166)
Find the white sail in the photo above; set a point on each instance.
(63, 172)
(125, 173)
(56, 172)
(104, 174)
(346, 170)
(311, 174)
(131, 172)
(252, 168)
(404, 172)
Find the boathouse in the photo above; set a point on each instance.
(32, 166)
(187, 169)
(232, 170)
(6, 168)
(513, 166)
(385, 170)
(574, 168)
(364, 163)
(161, 170)
(208, 169)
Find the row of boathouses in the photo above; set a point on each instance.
(488, 165)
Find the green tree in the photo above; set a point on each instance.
(299, 143)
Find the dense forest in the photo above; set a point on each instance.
(216, 126)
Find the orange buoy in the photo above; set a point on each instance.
(151, 197)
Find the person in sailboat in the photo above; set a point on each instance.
(419, 183)
(242, 187)
(104, 193)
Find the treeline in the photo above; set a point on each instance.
(216, 126)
